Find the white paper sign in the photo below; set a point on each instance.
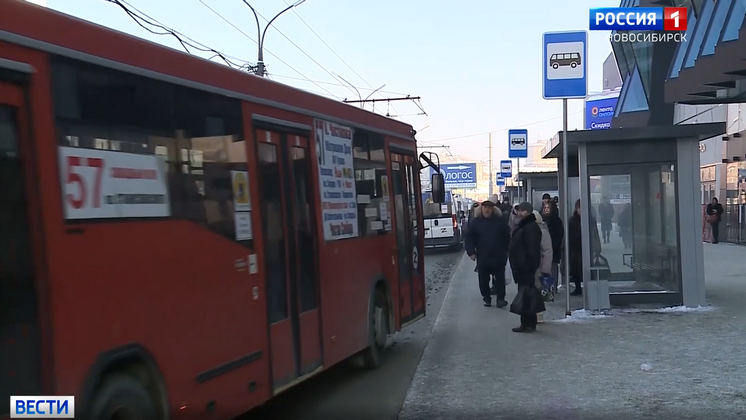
(243, 226)
(241, 198)
(336, 180)
(102, 184)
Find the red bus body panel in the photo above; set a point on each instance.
(178, 292)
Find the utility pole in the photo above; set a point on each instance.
(260, 70)
(490, 163)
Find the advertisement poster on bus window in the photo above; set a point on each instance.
(102, 184)
(336, 180)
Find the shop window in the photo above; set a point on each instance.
(199, 134)
(371, 183)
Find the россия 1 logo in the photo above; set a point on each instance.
(638, 19)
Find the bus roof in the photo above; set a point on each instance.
(48, 30)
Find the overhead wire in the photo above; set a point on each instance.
(335, 53)
(339, 84)
(268, 51)
(297, 46)
(184, 40)
(500, 130)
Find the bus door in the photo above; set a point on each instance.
(290, 251)
(19, 308)
(408, 242)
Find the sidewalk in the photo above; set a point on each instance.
(687, 365)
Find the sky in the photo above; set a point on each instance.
(476, 64)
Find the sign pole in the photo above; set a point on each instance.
(518, 179)
(566, 211)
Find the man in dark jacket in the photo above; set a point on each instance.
(487, 241)
(525, 259)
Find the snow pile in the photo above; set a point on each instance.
(646, 367)
(669, 310)
(679, 309)
(581, 315)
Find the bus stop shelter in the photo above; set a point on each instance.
(536, 184)
(641, 185)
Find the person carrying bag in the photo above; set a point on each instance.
(525, 259)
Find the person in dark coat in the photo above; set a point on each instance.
(714, 215)
(576, 247)
(525, 259)
(551, 217)
(487, 242)
(625, 225)
(606, 213)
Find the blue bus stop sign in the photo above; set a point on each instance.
(565, 65)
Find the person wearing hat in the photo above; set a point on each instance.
(487, 241)
(525, 260)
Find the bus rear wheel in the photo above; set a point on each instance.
(122, 397)
(378, 330)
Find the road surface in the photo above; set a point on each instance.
(344, 392)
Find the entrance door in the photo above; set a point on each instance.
(290, 249)
(19, 309)
(408, 242)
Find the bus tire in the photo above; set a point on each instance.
(378, 330)
(122, 397)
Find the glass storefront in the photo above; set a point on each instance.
(634, 208)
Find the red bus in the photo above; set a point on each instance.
(179, 239)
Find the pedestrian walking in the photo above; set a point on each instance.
(545, 268)
(487, 243)
(525, 259)
(550, 213)
(513, 219)
(576, 247)
(606, 214)
(714, 215)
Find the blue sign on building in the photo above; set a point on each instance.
(459, 175)
(506, 168)
(500, 180)
(599, 112)
(565, 65)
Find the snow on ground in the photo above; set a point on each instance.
(685, 363)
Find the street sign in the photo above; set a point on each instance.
(459, 175)
(565, 65)
(500, 180)
(506, 168)
(518, 144)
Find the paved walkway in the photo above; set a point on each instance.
(682, 364)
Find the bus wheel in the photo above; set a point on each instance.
(122, 397)
(378, 329)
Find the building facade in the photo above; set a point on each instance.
(699, 81)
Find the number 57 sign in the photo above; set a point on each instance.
(100, 184)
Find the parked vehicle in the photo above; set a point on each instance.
(442, 224)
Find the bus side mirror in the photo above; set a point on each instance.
(438, 188)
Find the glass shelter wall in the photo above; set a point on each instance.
(634, 207)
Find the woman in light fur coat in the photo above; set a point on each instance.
(547, 253)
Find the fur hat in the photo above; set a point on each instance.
(539, 219)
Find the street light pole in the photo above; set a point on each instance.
(260, 68)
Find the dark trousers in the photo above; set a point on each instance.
(485, 274)
(529, 321)
(715, 232)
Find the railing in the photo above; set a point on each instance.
(732, 224)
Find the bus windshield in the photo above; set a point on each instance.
(431, 209)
